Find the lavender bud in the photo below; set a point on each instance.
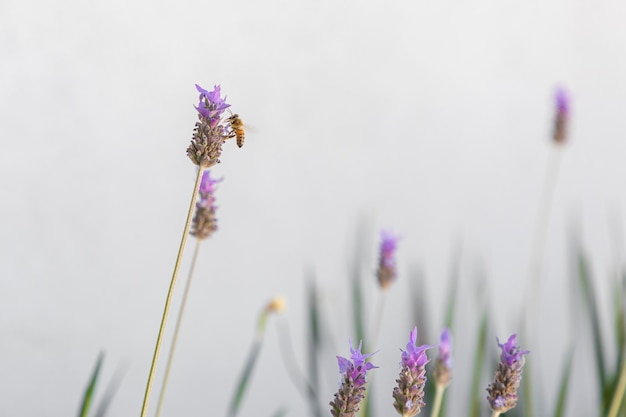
(204, 222)
(561, 116)
(409, 394)
(352, 386)
(386, 273)
(503, 391)
(443, 366)
(209, 133)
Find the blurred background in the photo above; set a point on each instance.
(431, 118)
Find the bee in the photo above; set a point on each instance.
(236, 126)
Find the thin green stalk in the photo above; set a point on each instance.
(438, 400)
(91, 387)
(289, 360)
(170, 293)
(378, 320)
(619, 393)
(536, 263)
(179, 320)
(539, 238)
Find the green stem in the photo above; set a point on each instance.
(378, 320)
(619, 393)
(179, 320)
(170, 292)
(438, 400)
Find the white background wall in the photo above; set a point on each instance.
(429, 117)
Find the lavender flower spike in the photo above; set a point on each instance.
(561, 117)
(386, 273)
(409, 394)
(352, 387)
(209, 133)
(204, 223)
(503, 391)
(443, 366)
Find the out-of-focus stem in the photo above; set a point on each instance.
(539, 238)
(179, 320)
(536, 263)
(438, 400)
(378, 320)
(619, 393)
(170, 293)
(496, 414)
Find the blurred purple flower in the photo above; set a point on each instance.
(352, 388)
(562, 103)
(443, 366)
(409, 394)
(503, 391)
(387, 273)
(204, 223)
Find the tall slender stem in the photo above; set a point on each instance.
(179, 320)
(378, 319)
(618, 396)
(170, 292)
(539, 238)
(438, 400)
(536, 264)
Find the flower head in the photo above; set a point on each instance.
(211, 105)
(209, 132)
(409, 394)
(443, 365)
(386, 273)
(503, 391)
(561, 117)
(352, 387)
(205, 222)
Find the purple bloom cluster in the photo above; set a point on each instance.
(205, 222)
(443, 367)
(503, 391)
(561, 117)
(211, 105)
(352, 388)
(387, 273)
(209, 133)
(409, 394)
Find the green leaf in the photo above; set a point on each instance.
(588, 293)
(559, 411)
(314, 347)
(91, 387)
(281, 412)
(253, 355)
(479, 362)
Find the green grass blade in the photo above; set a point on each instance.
(110, 391)
(620, 319)
(455, 273)
(91, 387)
(588, 293)
(281, 412)
(357, 305)
(313, 346)
(479, 362)
(561, 401)
(244, 379)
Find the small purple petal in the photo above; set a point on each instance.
(445, 349)
(562, 101)
(511, 353)
(415, 356)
